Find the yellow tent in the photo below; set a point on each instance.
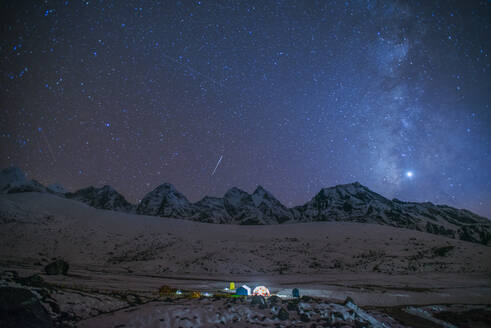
(232, 286)
(195, 294)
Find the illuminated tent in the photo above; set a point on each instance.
(241, 291)
(248, 289)
(261, 290)
(195, 294)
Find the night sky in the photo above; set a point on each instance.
(291, 95)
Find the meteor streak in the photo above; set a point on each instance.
(219, 160)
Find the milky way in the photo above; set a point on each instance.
(295, 96)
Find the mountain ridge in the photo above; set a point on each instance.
(106, 198)
(352, 202)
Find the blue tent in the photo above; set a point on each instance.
(295, 292)
(241, 291)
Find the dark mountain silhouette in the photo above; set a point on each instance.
(104, 198)
(345, 203)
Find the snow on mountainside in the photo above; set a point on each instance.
(270, 206)
(211, 210)
(240, 206)
(236, 207)
(104, 198)
(165, 201)
(356, 203)
(57, 188)
(349, 202)
(13, 180)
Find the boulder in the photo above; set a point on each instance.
(274, 299)
(57, 267)
(348, 300)
(260, 300)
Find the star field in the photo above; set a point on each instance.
(295, 96)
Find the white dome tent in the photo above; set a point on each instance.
(261, 290)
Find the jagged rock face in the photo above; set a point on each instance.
(30, 186)
(211, 210)
(236, 197)
(166, 201)
(240, 206)
(13, 180)
(104, 198)
(272, 209)
(452, 222)
(354, 202)
(351, 202)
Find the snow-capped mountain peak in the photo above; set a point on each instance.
(165, 201)
(104, 198)
(237, 197)
(260, 194)
(13, 180)
(351, 202)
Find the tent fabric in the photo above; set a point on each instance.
(232, 286)
(295, 292)
(241, 291)
(261, 290)
(195, 294)
(248, 289)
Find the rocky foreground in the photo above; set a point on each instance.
(32, 302)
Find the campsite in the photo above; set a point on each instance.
(166, 272)
(253, 163)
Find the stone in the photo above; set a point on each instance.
(259, 300)
(274, 299)
(57, 267)
(348, 300)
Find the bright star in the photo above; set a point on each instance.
(409, 174)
